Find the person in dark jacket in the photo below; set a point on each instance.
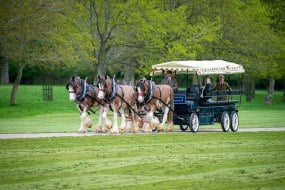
(170, 80)
(222, 86)
(206, 89)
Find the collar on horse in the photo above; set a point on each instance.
(150, 94)
(113, 91)
(84, 90)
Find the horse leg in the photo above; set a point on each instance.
(115, 128)
(134, 124)
(79, 108)
(148, 125)
(165, 115)
(98, 128)
(85, 121)
(107, 124)
(123, 120)
(170, 119)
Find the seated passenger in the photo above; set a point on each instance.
(170, 80)
(221, 86)
(206, 89)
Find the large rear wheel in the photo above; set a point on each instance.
(234, 121)
(225, 121)
(194, 122)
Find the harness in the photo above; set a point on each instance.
(113, 91)
(84, 91)
(150, 95)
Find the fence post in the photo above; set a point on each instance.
(47, 92)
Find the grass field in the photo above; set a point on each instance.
(214, 160)
(158, 161)
(32, 114)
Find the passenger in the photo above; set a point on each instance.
(170, 80)
(221, 86)
(206, 89)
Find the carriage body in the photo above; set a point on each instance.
(190, 109)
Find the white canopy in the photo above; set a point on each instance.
(204, 67)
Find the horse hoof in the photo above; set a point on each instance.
(148, 130)
(122, 130)
(98, 131)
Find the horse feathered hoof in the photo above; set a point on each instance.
(122, 130)
(148, 130)
(170, 129)
(104, 130)
(98, 129)
(108, 124)
(115, 131)
(82, 131)
(160, 128)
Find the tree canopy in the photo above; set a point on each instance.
(125, 37)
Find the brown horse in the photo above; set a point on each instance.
(156, 97)
(85, 97)
(121, 98)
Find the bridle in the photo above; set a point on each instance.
(75, 85)
(147, 91)
(102, 88)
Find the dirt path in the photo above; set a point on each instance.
(74, 134)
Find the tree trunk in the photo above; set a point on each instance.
(16, 84)
(269, 97)
(284, 89)
(249, 87)
(4, 70)
(129, 74)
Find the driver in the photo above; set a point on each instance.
(170, 80)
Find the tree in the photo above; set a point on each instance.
(276, 10)
(129, 34)
(245, 37)
(39, 32)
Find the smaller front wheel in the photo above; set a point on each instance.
(194, 122)
(225, 121)
(184, 127)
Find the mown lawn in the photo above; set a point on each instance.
(157, 161)
(136, 161)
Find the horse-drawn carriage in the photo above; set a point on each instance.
(191, 108)
(158, 103)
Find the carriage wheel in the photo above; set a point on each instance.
(194, 122)
(225, 121)
(234, 121)
(184, 127)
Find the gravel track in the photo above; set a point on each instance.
(75, 134)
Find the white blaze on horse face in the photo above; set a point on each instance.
(140, 95)
(101, 93)
(72, 95)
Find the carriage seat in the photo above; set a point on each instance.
(193, 92)
(219, 103)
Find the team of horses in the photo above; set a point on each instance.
(136, 105)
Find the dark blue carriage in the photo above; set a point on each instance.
(192, 109)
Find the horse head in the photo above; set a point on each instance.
(142, 88)
(74, 86)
